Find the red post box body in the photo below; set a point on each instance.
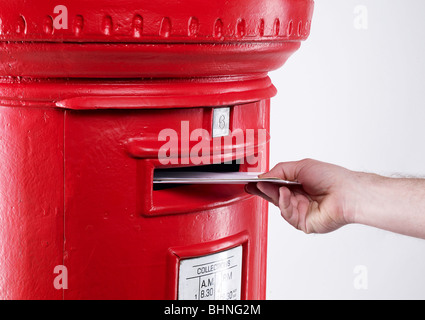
(82, 113)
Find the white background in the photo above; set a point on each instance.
(355, 98)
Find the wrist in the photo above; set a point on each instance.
(364, 195)
(381, 201)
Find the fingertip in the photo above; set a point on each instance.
(263, 175)
(251, 188)
(285, 196)
(246, 189)
(268, 174)
(285, 204)
(274, 172)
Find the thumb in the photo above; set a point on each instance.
(283, 170)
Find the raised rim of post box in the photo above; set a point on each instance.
(136, 61)
(173, 93)
(164, 21)
(133, 39)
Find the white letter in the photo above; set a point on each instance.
(217, 153)
(255, 150)
(360, 281)
(184, 148)
(172, 145)
(61, 21)
(61, 280)
(203, 146)
(195, 311)
(239, 146)
(361, 17)
(211, 309)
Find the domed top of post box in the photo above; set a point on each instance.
(161, 38)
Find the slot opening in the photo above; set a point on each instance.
(230, 166)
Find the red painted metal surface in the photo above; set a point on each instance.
(81, 109)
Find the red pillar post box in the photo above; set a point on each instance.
(95, 96)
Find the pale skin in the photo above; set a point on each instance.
(332, 196)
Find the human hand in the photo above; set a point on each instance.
(324, 203)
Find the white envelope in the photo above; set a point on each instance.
(214, 178)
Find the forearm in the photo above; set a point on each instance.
(332, 196)
(394, 204)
